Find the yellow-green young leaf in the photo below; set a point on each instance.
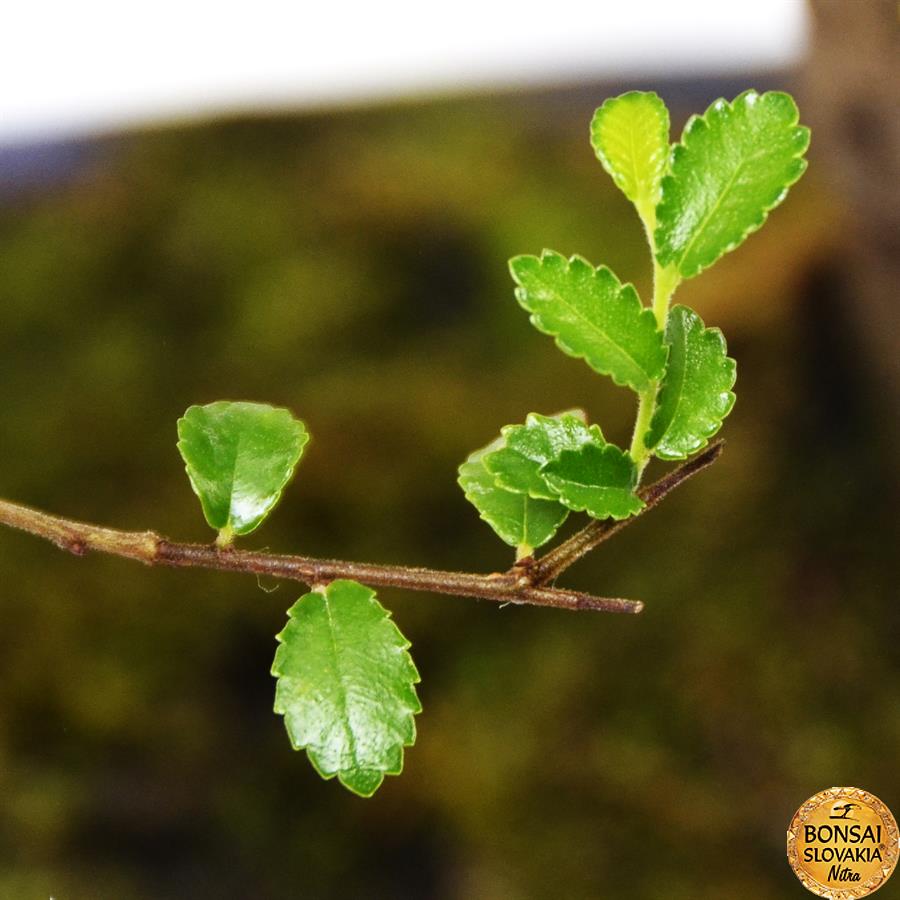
(630, 135)
(346, 685)
(521, 521)
(734, 164)
(597, 480)
(592, 316)
(517, 465)
(239, 457)
(695, 395)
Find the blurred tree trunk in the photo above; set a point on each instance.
(853, 98)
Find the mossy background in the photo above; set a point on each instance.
(352, 266)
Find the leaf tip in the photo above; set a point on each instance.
(520, 266)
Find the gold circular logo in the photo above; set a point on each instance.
(843, 843)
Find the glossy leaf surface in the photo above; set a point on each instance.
(517, 465)
(630, 135)
(733, 165)
(346, 685)
(695, 395)
(597, 480)
(239, 457)
(518, 519)
(592, 316)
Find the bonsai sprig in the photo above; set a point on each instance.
(345, 678)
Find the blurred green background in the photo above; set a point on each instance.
(352, 266)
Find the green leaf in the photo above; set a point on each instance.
(734, 164)
(517, 465)
(695, 395)
(597, 480)
(592, 316)
(239, 457)
(346, 685)
(519, 520)
(630, 135)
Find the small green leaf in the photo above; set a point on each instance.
(346, 685)
(734, 164)
(517, 465)
(239, 457)
(519, 520)
(592, 316)
(630, 135)
(695, 395)
(597, 480)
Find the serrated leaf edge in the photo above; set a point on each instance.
(401, 647)
(600, 115)
(479, 460)
(607, 449)
(698, 122)
(507, 429)
(710, 335)
(287, 474)
(627, 289)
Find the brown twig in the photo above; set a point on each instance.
(523, 584)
